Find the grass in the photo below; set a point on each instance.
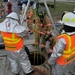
(60, 7)
(1, 0)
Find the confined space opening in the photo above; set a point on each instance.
(37, 59)
(2, 46)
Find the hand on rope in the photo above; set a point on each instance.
(50, 50)
(49, 25)
(48, 32)
(42, 45)
(31, 30)
(31, 21)
(41, 32)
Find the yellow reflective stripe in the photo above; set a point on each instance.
(73, 49)
(71, 53)
(9, 39)
(13, 42)
(13, 36)
(69, 50)
(69, 47)
(70, 58)
(10, 46)
(68, 19)
(68, 55)
(13, 39)
(70, 43)
(73, 19)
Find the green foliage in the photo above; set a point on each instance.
(60, 7)
(1, 0)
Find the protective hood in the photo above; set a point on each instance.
(10, 25)
(13, 15)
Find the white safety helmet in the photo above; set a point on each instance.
(13, 15)
(68, 19)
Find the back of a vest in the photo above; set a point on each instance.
(69, 52)
(12, 41)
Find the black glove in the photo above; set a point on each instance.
(47, 37)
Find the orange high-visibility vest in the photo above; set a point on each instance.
(69, 53)
(12, 41)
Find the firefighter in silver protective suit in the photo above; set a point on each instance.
(62, 59)
(13, 35)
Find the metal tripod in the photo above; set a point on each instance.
(54, 31)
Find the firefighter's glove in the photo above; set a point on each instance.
(50, 50)
(47, 37)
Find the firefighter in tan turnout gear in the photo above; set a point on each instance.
(30, 19)
(62, 59)
(44, 24)
(13, 34)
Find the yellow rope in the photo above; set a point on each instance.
(35, 35)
